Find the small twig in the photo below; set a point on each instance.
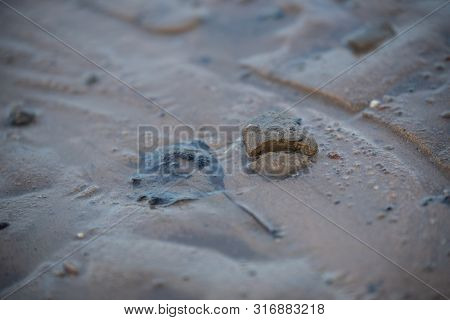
(274, 232)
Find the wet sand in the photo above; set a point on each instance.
(379, 179)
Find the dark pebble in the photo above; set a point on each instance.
(21, 117)
(155, 200)
(373, 287)
(430, 199)
(426, 201)
(135, 181)
(439, 66)
(186, 278)
(334, 155)
(4, 225)
(205, 60)
(141, 198)
(371, 36)
(245, 75)
(91, 80)
(277, 234)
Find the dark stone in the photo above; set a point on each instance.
(91, 80)
(4, 225)
(426, 201)
(135, 181)
(20, 116)
(205, 60)
(370, 37)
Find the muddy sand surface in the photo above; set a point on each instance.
(368, 218)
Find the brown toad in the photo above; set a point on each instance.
(277, 144)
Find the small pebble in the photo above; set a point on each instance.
(374, 104)
(70, 269)
(331, 278)
(80, 235)
(393, 219)
(88, 192)
(334, 155)
(59, 273)
(135, 181)
(381, 215)
(186, 278)
(4, 225)
(372, 288)
(429, 100)
(369, 37)
(446, 114)
(158, 283)
(439, 66)
(426, 201)
(389, 147)
(426, 75)
(91, 79)
(20, 116)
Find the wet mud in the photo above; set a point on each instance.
(159, 17)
